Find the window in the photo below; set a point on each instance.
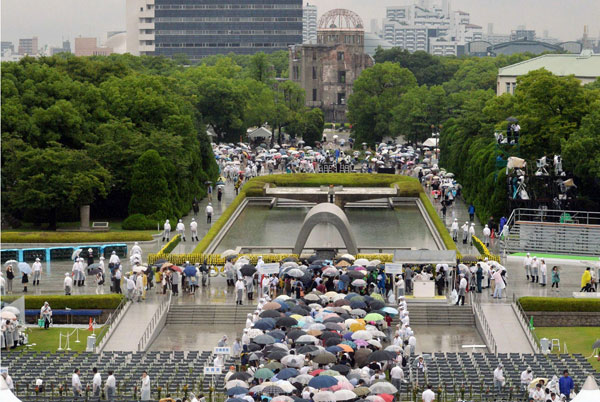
(514, 85)
(508, 87)
(296, 72)
(342, 77)
(314, 94)
(340, 56)
(341, 98)
(314, 73)
(314, 55)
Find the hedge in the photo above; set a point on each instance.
(170, 246)
(213, 259)
(138, 222)
(407, 187)
(483, 250)
(560, 304)
(74, 237)
(79, 302)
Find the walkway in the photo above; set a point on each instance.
(508, 333)
(132, 326)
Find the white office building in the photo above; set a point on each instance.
(140, 37)
(309, 23)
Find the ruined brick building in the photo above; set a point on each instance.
(327, 70)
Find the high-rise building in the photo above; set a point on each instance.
(522, 34)
(28, 46)
(66, 48)
(202, 28)
(429, 26)
(89, 47)
(309, 24)
(7, 46)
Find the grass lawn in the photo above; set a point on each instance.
(578, 339)
(47, 340)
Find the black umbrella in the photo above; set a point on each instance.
(160, 262)
(329, 334)
(295, 334)
(356, 274)
(307, 349)
(243, 376)
(277, 354)
(469, 259)
(332, 326)
(312, 258)
(300, 310)
(277, 334)
(333, 319)
(381, 356)
(270, 314)
(231, 257)
(333, 341)
(286, 322)
(290, 259)
(248, 270)
(341, 368)
(345, 278)
(253, 347)
(273, 390)
(512, 119)
(376, 305)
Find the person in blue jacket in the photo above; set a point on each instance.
(565, 384)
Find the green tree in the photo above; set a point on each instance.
(149, 176)
(314, 124)
(260, 68)
(376, 92)
(581, 152)
(427, 69)
(55, 179)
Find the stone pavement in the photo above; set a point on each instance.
(132, 326)
(508, 333)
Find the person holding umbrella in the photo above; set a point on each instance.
(24, 280)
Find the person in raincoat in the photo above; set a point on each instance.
(37, 271)
(527, 265)
(229, 273)
(136, 249)
(471, 233)
(145, 389)
(465, 232)
(462, 290)
(46, 314)
(586, 280)
(167, 230)
(68, 284)
(499, 284)
(454, 229)
(180, 229)
(114, 259)
(486, 235)
(209, 213)
(555, 277)
(535, 267)
(194, 229)
(239, 291)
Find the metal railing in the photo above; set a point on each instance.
(485, 327)
(554, 216)
(533, 339)
(108, 326)
(163, 309)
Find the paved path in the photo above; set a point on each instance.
(132, 326)
(508, 333)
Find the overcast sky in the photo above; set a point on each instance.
(52, 20)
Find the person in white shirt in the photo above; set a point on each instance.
(537, 394)
(37, 271)
(543, 272)
(180, 229)
(397, 376)
(428, 395)
(139, 287)
(265, 285)
(209, 212)
(499, 379)
(130, 287)
(111, 386)
(167, 230)
(412, 342)
(239, 289)
(194, 229)
(486, 235)
(145, 390)
(114, 259)
(535, 265)
(68, 284)
(526, 378)
(527, 265)
(471, 233)
(454, 230)
(76, 383)
(96, 382)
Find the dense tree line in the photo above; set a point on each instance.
(129, 134)
(406, 94)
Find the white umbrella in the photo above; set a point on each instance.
(359, 283)
(236, 383)
(324, 396)
(6, 394)
(309, 338)
(348, 256)
(344, 395)
(303, 378)
(362, 334)
(12, 309)
(296, 361)
(383, 388)
(254, 332)
(295, 273)
(282, 398)
(7, 315)
(362, 262)
(227, 253)
(139, 268)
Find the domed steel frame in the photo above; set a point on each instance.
(340, 18)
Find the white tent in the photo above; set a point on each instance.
(260, 132)
(589, 392)
(430, 142)
(6, 394)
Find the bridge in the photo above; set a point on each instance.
(342, 195)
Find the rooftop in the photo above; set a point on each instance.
(579, 65)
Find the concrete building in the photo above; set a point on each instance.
(117, 41)
(585, 67)
(327, 70)
(66, 48)
(309, 24)
(523, 46)
(429, 26)
(522, 34)
(373, 41)
(89, 47)
(7, 46)
(202, 28)
(28, 46)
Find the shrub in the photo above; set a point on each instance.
(170, 246)
(561, 304)
(149, 176)
(78, 302)
(138, 222)
(74, 237)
